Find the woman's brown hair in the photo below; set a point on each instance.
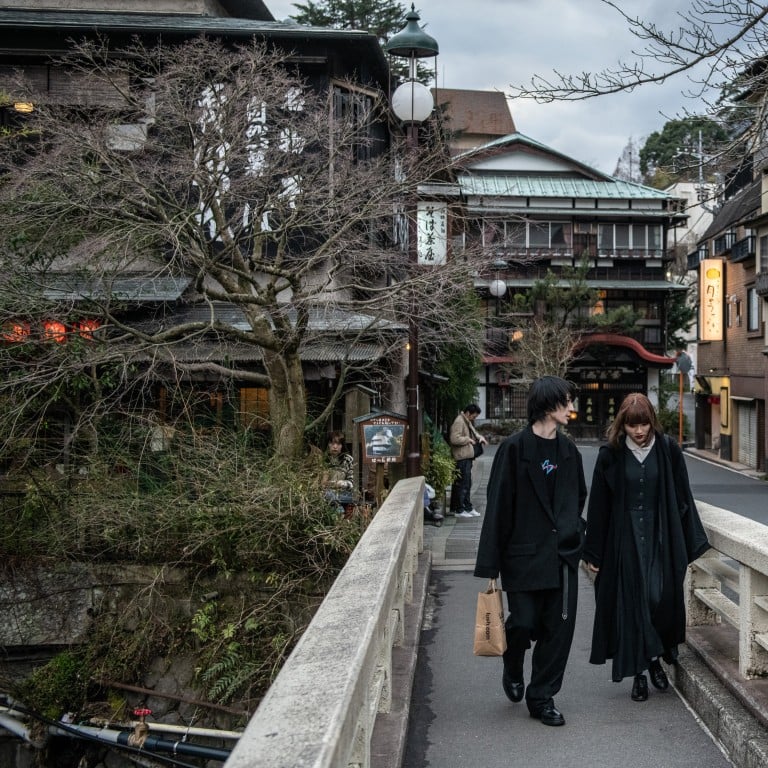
(634, 409)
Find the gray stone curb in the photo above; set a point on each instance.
(740, 734)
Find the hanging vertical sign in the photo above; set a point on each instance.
(432, 232)
(711, 300)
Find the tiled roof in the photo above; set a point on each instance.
(321, 318)
(744, 204)
(66, 24)
(508, 184)
(476, 112)
(221, 352)
(158, 22)
(143, 288)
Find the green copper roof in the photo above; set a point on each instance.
(576, 180)
(509, 184)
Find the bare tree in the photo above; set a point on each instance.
(545, 350)
(718, 46)
(726, 37)
(218, 174)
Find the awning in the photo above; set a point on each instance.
(616, 340)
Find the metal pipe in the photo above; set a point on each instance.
(172, 697)
(151, 743)
(18, 729)
(212, 733)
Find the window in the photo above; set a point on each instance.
(621, 236)
(539, 234)
(652, 335)
(357, 106)
(559, 235)
(605, 238)
(762, 254)
(515, 235)
(254, 407)
(753, 310)
(637, 237)
(733, 313)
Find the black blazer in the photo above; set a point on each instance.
(524, 538)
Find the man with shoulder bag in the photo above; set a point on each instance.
(466, 445)
(532, 536)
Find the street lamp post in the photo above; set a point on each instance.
(412, 103)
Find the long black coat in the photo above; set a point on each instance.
(681, 540)
(525, 538)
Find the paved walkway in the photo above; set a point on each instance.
(460, 718)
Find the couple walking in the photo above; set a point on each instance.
(641, 532)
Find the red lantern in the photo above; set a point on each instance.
(55, 331)
(15, 331)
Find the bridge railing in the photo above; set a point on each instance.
(321, 708)
(730, 584)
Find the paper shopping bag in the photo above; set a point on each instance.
(490, 637)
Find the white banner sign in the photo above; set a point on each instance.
(432, 233)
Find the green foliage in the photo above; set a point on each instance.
(440, 470)
(671, 154)
(58, 686)
(382, 18)
(215, 509)
(618, 320)
(681, 314)
(562, 296)
(459, 360)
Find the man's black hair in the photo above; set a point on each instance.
(546, 394)
(472, 408)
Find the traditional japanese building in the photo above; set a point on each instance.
(537, 212)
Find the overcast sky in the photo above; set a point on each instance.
(489, 44)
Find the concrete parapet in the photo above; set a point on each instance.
(321, 709)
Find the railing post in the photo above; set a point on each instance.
(699, 576)
(753, 622)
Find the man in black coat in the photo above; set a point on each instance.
(533, 536)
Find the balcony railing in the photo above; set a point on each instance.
(696, 257)
(743, 249)
(761, 284)
(724, 242)
(520, 254)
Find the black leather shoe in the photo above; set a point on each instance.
(640, 688)
(549, 714)
(513, 688)
(658, 675)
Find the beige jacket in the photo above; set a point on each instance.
(461, 435)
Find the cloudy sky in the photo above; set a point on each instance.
(490, 44)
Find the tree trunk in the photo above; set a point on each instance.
(287, 403)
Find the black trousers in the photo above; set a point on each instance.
(462, 486)
(546, 618)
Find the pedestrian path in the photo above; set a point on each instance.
(460, 718)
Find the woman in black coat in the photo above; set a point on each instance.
(643, 529)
